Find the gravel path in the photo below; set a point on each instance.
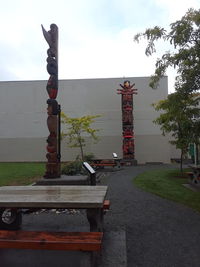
(159, 233)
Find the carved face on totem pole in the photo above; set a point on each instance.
(126, 84)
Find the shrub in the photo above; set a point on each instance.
(88, 157)
(73, 168)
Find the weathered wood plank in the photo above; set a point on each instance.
(55, 188)
(52, 196)
(85, 241)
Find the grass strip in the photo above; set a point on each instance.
(168, 184)
(20, 173)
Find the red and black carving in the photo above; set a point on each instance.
(127, 92)
(53, 109)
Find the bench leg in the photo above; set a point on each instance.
(10, 219)
(95, 218)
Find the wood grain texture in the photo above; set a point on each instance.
(52, 196)
(84, 241)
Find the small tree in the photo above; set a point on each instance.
(77, 127)
(179, 109)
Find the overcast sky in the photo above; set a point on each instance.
(95, 36)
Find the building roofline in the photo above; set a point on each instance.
(75, 79)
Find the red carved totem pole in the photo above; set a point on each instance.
(127, 92)
(53, 109)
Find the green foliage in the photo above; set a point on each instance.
(77, 129)
(12, 173)
(88, 157)
(151, 35)
(168, 184)
(73, 168)
(176, 118)
(183, 36)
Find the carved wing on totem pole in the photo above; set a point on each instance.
(51, 37)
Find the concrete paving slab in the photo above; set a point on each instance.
(192, 187)
(114, 250)
(39, 258)
(65, 180)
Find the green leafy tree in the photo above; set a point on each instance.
(181, 107)
(77, 128)
(178, 111)
(184, 39)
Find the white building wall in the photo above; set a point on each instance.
(23, 129)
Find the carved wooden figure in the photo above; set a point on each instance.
(53, 109)
(127, 92)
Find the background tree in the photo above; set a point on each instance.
(77, 128)
(181, 107)
(178, 111)
(184, 38)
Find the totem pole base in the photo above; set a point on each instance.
(65, 180)
(129, 162)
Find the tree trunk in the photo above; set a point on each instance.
(82, 155)
(181, 163)
(197, 154)
(81, 148)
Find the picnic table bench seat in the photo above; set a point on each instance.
(79, 241)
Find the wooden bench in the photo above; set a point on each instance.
(194, 175)
(106, 163)
(83, 241)
(190, 174)
(106, 204)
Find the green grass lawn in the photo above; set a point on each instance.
(168, 184)
(20, 173)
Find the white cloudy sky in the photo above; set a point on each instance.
(95, 36)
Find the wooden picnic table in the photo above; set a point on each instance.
(195, 178)
(91, 198)
(101, 163)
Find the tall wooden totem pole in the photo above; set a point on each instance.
(127, 92)
(53, 109)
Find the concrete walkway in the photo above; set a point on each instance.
(159, 233)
